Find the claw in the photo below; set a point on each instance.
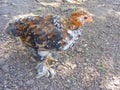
(50, 60)
(44, 70)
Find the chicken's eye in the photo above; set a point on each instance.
(85, 17)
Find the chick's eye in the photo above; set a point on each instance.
(85, 17)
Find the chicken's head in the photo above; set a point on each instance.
(78, 18)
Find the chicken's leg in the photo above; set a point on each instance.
(50, 60)
(45, 68)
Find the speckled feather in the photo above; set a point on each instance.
(35, 30)
(50, 32)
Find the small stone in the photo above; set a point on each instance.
(30, 82)
(87, 49)
(8, 89)
(116, 81)
(1, 88)
(79, 50)
(45, 87)
(85, 64)
(6, 56)
(87, 60)
(5, 68)
(85, 45)
(84, 0)
(35, 88)
(5, 17)
(64, 8)
(68, 81)
(20, 83)
(26, 64)
(2, 61)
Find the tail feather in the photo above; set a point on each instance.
(11, 29)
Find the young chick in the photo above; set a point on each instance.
(48, 34)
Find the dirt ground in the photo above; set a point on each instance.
(93, 64)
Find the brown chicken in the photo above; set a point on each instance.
(49, 33)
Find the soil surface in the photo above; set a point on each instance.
(93, 64)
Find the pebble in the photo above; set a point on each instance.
(29, 82)
(20, 83)
(2, 62)
(84, 0)
(85, 45)
(68, 81)
(35, 88)
(1, 88)
(45, 87)
(8, 89)
(7, 56)
(5, 68)
(85, 64)
(79, 50)
(4, 17)
(116, 81)
(64, 8)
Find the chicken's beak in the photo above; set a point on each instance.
(90, 19)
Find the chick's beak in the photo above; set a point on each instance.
(90, 19)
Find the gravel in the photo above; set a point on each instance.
(93, 64)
